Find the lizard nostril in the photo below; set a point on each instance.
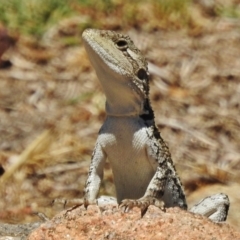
(122, 44)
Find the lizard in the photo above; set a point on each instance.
(143, 170)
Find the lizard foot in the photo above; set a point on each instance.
(142, 203)
(75, 202)
(214, 207)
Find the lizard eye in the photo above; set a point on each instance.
(142, 74)
(122, 44)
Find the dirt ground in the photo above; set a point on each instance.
(52, 106)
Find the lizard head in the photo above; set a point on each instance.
(121, 69)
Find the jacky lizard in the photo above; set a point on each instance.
(144, 173)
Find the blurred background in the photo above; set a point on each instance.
(52, 106)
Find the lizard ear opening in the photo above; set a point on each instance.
(142, 74)
(122, 44)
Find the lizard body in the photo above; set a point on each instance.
(143, 170)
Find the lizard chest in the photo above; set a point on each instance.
(124, 141)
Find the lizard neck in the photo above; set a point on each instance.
(121, 111)
(124, 110)
(120, 100)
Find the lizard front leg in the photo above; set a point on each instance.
(95, 175)
(152, 196)
(92, 185)
(165, 189)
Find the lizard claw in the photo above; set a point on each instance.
(142, 203)
(59, 200)
(86, 204)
